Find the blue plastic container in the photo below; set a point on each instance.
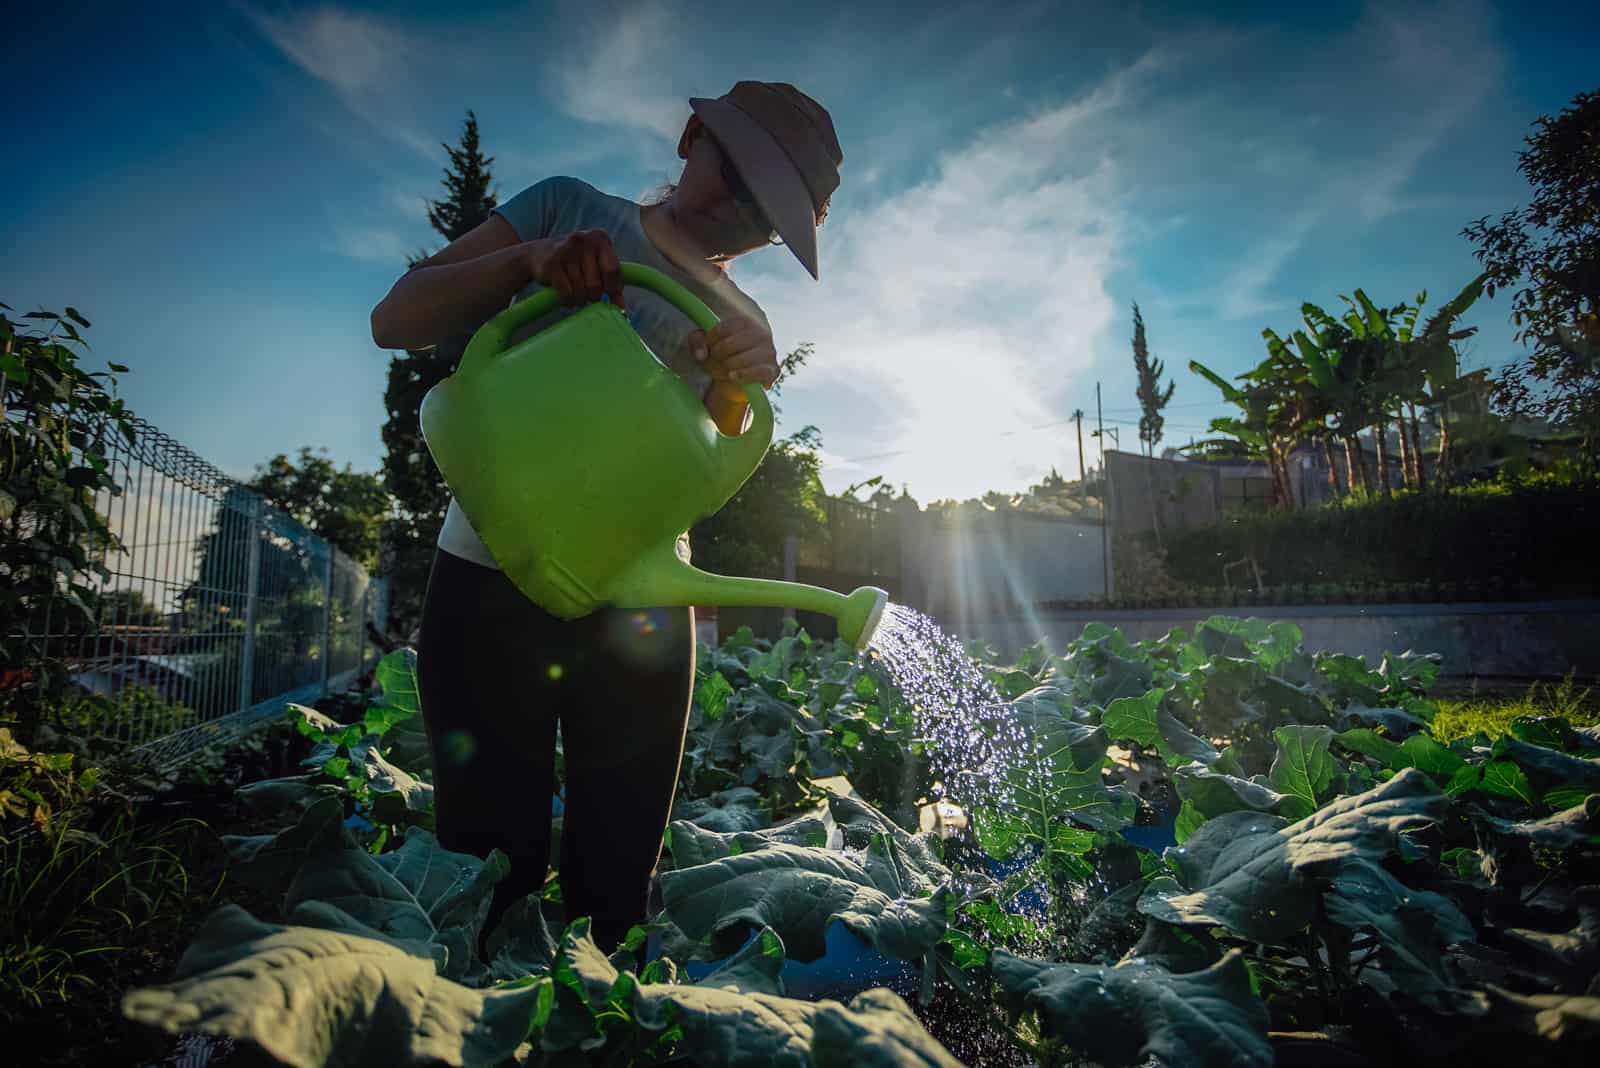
(1158, 835)
(847, 966)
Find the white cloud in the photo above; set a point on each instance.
(366, 61)
(371, 244)
(963, 305)
(626, 68)
(410, 204)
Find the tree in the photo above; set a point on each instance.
(59, 428)
(409, 472)
(1553, 248)
(1151, 397)
(345, 507)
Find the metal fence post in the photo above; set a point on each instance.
(327, 621)
(791, 557)
(361, 654)
(253, 566)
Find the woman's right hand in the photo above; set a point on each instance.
(580, 267)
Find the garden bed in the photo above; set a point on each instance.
(1225, 849)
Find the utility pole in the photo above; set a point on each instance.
(1077, 415)
(1105, 496)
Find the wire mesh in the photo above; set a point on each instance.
(217, 611)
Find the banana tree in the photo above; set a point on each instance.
(1357, 365)
(1271, 405)
(1309, 365)
(1431, 360)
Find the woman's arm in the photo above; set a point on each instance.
(454, 290)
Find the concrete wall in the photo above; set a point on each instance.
(976, 567)
(1511, 641)
(1181, 493)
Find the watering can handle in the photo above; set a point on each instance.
(494, 337)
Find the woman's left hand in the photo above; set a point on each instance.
(738, 350)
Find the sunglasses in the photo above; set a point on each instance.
(744, 198)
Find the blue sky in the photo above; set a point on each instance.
(226, 189)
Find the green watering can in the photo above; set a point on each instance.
(579, 459)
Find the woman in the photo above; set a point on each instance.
(497, 673)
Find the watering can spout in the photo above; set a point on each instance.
(662, 578)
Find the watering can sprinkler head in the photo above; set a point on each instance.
(863, 611)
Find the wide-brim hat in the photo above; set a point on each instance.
(783, 144)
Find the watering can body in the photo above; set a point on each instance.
(579, 458)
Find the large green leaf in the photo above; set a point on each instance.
(1397, 722)
(1563, 830)
(396, 676)
(384, 777)
(1574, 954)
(1174, 948)
(737, 809)
(521, 943)
(316, 998)
(875, 1030)
(898, 862)
(755, 969)
(708, 910)
(1505, 778)
(726, 1028)
(1147, 721)
(269, 862)
(1214, 794)
(692, 844)
(1104, 668)
(418, 892)
(1302, 769)
(1047, 708)
(1125, 1014)
(1134, 719)
(1549, 767)
(1413, 926)
(289, 795)
(1261, 879)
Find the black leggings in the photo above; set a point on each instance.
(496, 674)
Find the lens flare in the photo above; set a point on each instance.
(458, 746)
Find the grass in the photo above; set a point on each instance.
(1493, 714)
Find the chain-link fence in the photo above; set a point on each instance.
(218, 612)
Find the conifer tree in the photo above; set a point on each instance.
(1151, 396)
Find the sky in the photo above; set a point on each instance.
(226, 189)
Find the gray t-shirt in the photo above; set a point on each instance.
(556, 207)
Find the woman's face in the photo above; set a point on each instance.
(705, 207)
